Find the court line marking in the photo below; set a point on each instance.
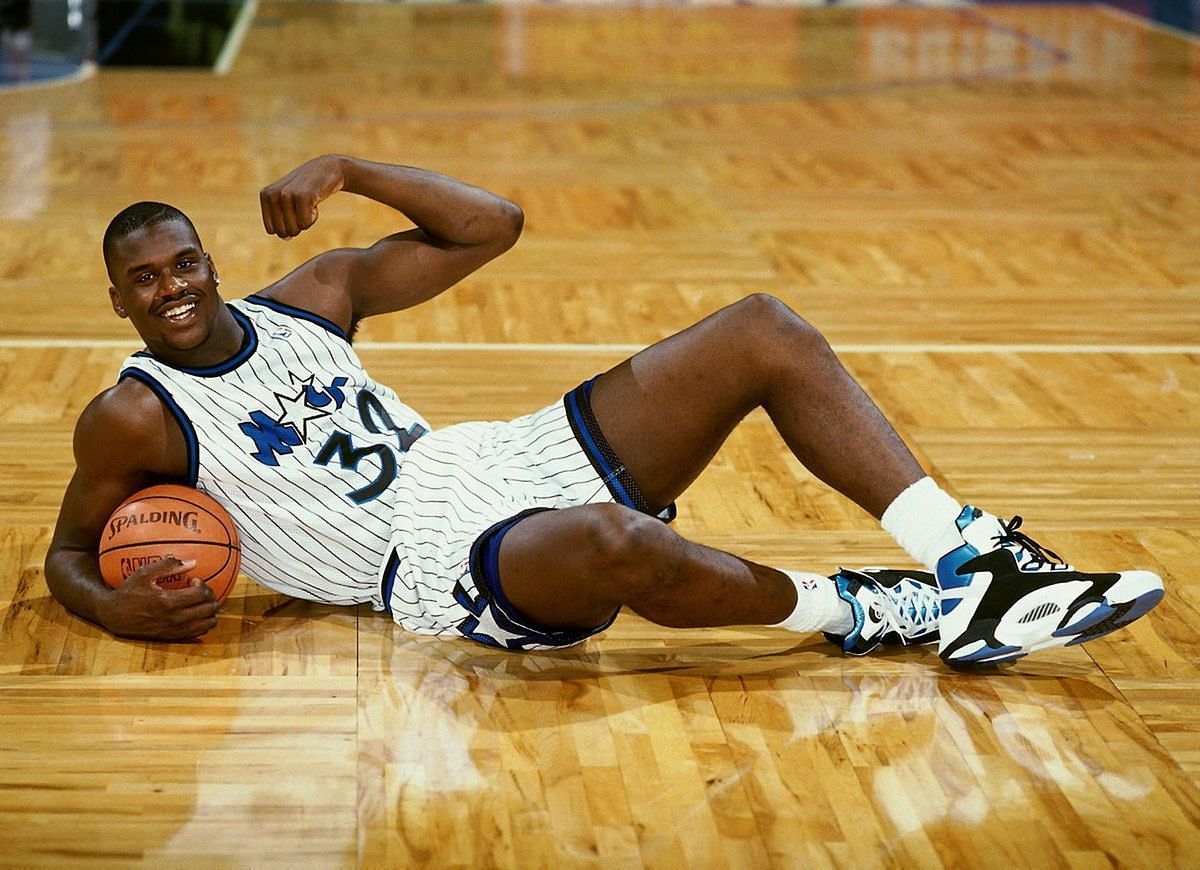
(568, 347)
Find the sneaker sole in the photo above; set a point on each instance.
(1132, 597)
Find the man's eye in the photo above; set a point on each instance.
(145, 276)
(186, 264)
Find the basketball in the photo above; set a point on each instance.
(169, 520)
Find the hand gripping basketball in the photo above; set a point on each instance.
(172, 554)
(141, 607)
(166, 521)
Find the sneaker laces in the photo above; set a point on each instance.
(1039, 555)
(914, 606)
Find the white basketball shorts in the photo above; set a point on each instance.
(462, 488)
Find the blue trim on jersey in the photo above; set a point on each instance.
(490, 562)
(389, 579)
(299, 313)
(607, 465)
(249, 346)
(189, 432)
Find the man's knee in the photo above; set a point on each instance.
(769, 324)
(775, 339)
(629, 547)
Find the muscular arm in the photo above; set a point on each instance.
(124, 441)
(458, 228)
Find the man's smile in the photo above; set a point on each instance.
(180, 311)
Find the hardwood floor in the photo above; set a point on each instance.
(993, 213)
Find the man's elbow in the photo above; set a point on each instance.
(51, 570)
(514, 222)
(495, 228)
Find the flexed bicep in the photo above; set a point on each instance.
(412, 267)
(459, 227)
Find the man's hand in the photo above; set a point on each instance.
(141, 608)
(289, 205)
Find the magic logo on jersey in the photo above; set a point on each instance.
(276, 435)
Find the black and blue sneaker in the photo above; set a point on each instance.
(1005, 596)
(890, 607)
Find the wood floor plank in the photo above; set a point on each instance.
(149, 767)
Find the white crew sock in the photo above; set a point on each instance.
(921, 519)
(818, 606)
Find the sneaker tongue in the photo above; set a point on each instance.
(982, 532)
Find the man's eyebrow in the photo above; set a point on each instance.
(190, 249)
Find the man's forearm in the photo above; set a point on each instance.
(73, 577)
(140, 608)
(440, 205)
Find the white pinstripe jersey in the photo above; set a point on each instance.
(299, 444)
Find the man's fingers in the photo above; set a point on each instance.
(163, 568)
(308, 216)
(277, 213)
(198, 612)
(194, 594)
(291, 223)
(302, 207)
(200, 625)
(193, 630)
(278, 221)
(264, 201)
(171, 565)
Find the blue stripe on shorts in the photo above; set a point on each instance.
(494, 620)
(604, 459)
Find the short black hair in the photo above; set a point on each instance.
(138, 216)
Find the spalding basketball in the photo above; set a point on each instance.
(170, 520)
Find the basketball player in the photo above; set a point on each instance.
(530, 534)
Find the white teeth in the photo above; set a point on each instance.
(179, 310)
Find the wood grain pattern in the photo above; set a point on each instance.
(900, 176)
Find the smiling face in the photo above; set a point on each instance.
(166, 285)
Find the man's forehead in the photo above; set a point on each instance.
(162, 238)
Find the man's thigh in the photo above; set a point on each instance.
(667, 410)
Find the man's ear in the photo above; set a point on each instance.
(212, 267)
(116, 302)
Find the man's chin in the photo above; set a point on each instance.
(183, 343)
(179, 342)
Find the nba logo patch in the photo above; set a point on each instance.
(283, 332)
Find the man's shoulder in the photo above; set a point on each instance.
(127, 426)
(124, 407)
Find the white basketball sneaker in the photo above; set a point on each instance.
(1005, 596)
(890, 607)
